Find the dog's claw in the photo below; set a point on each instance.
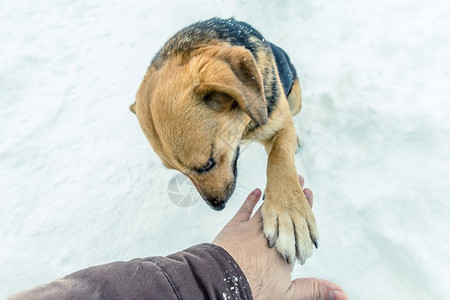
(301, 260)
(316, 244)
(287, 258)
(271, 242)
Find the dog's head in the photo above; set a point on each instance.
(194, 109)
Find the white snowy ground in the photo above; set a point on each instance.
(80, 186)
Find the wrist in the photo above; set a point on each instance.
(247, 266)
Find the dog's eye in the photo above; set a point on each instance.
(208, 166)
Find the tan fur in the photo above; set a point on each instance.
(295, 98)
(186, 106)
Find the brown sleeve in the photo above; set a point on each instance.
(205, 271)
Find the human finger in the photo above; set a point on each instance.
(244, 213)
(314, 288)
(309, 196)
(301, 180)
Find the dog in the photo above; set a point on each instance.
(217, 75)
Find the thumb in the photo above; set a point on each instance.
(246, 209)
(313, 288)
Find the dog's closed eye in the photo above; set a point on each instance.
(207, 167)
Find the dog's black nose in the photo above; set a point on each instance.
(216, 205)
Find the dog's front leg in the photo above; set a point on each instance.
(289, 223)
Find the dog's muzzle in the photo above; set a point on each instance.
(216, 205)
(219, 204)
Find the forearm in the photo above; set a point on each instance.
(204, 271)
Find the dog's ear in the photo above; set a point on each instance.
(246, 87)
(217, 101)
(132, 108)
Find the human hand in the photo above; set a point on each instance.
(267, 272)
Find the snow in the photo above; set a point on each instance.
(80, 186)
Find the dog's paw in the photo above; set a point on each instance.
(290, 226)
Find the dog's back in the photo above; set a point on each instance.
(209, 32)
